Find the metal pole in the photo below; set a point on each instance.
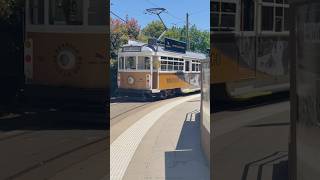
(187, 29)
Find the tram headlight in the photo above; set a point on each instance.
(130, 80)
(66, 59)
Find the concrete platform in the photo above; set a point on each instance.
(169, 147)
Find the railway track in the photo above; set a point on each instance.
(56, 157)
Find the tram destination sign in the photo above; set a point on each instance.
(174, 45)
(131, 49)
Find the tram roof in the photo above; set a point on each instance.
(161, 50)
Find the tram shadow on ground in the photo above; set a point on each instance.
(219, 106)
(276, 162)
(188, 160)
(54, 116)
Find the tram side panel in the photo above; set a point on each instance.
(185, 82)
(73, 60)
(67, 61)
(248, 64)
(272, 63)
(133, 80)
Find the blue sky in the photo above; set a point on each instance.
(199, 11)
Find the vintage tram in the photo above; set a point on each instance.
(249, 48)
(65, 49)
(158, 70)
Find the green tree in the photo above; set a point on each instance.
(199, 40)
(153, 29)
(121, 32)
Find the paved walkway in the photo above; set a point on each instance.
(163, 144)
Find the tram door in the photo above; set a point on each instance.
(155, 72)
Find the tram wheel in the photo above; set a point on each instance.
(163, 95)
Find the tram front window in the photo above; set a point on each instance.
(66, 12)
(131, 62)
(96, 14)
(36, 11)
(121, 63)
(143, 62)
(223, 16)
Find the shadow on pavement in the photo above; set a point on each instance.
(270, 124)
(187, 161)
(259, 169)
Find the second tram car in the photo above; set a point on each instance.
(249, 48)
(65, 49)
(158, 70)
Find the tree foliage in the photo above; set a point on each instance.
(199, 40)
(153, 29)
(121, 32)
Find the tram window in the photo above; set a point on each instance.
(193, 67)
(275, 15)
(143, 62)
(215, 20)
(176, 65)
(181, 67)
(228, 20)
(66, 12)
(97, 12)
(187, 66)
(267, 18)
(36, 11)
(164, 65)
(286, 19)
(121, 63)
(228, 7)
(278, 24)
(223, 16)
(130, 62)
(170, 66)
(248, 15)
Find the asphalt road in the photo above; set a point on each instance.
(54, 142)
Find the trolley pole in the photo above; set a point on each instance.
(187, 29)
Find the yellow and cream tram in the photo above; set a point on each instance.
(249, 48)
(158, 70)
(65, 48)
